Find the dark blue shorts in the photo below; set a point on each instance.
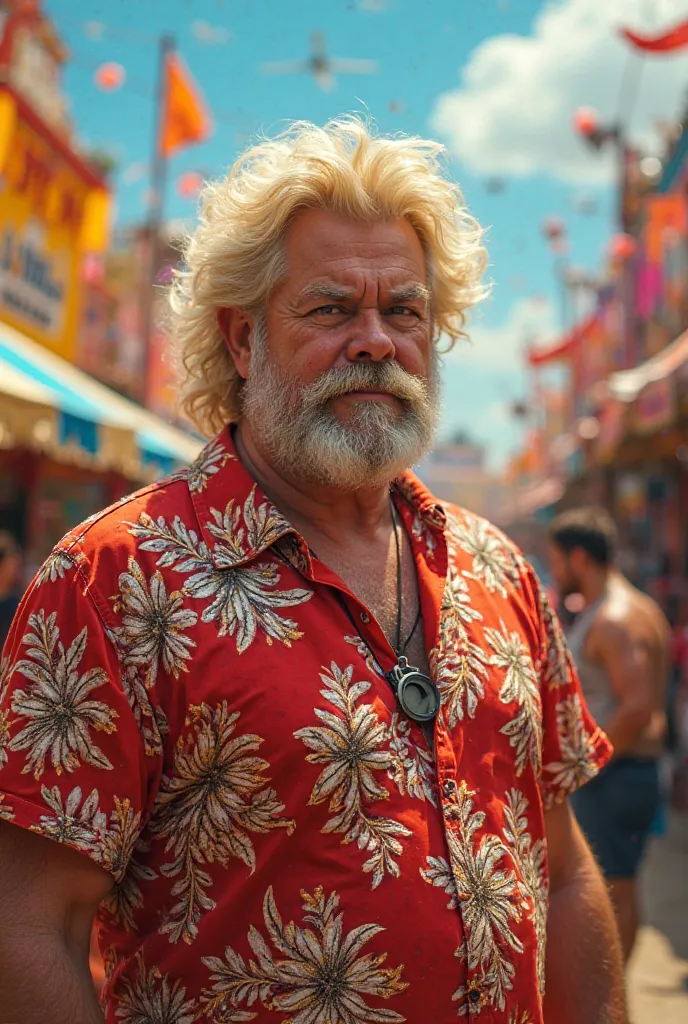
(616, 811)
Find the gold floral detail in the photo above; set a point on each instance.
(531, 860)
(472, 997)
(487, 897)
(557, 668)
(58, 706)
(520, 687)
(6, 812)
(207, 808)
(210, 461)
(352, 745)
(152, 999)
(153, 627)
(577, 764)
(150, 718)
(439, 874)
(241, 531)
(54, 568)
(494, 562)
(318, 976)
(366, 653)
(241, 599)
(76, 824)
(413, 770)
(116, 855)
(457, 664)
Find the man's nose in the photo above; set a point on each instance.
(370, 341)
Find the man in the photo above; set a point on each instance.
(222, 695)
(10, 581)
(620, 645)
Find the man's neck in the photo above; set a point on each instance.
(594, 586)
(330, 511)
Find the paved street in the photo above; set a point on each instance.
(658, 974)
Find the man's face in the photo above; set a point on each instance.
(343, 378)
(563, 569)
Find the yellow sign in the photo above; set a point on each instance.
(52, 211)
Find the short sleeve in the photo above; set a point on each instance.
(73, 761)
(574, 748)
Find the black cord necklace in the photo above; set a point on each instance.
(416, 692)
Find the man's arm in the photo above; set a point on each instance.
(48, 898)
(584, 968)
(628, 668)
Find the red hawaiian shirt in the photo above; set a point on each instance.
(184, 699)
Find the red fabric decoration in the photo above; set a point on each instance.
(675, 39)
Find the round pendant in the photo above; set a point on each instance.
(417, 694)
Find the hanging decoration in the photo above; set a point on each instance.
(586, 121)
(189, 184)
(675, 38)
(622, 247)
(186, 117)
(110, 77)
(554, 229)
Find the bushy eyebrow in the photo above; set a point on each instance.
(326, 291)
(410, 292)
(339, 293)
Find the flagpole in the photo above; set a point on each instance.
(156, 206)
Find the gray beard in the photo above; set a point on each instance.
(297, 427)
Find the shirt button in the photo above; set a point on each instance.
(365, 618)
(448, 788)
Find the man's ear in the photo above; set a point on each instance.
(236, 327)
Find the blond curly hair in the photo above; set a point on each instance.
(235, 256)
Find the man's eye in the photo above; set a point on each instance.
(329, 310)
(402, 311)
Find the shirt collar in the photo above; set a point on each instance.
(237, 522)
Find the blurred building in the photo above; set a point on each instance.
(456, 471)
(623, 437)
(73, 351)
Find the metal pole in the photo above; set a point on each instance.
(561, 269)
(156, 204)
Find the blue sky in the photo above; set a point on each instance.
(495, 80)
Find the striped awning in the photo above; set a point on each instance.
(47, 402)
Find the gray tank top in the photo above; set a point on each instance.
(594, 682)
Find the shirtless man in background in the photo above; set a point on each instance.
(620, 644)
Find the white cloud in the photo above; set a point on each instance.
(482, 379)
(512, 111)
(500, 348)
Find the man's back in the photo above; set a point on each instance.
(625, 608)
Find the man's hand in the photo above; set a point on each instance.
(48, 898)
(584, 967)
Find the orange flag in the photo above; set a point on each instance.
(186, 118)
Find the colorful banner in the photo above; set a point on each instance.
(667, 216)
(52, 208)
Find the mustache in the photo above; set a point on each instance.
(386, 377)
